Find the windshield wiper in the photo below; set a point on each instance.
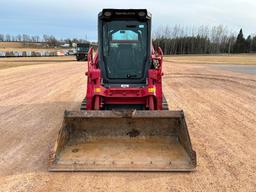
(131, 26)
(129, 76)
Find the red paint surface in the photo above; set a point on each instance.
(117, 96)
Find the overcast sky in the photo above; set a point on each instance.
(78, 18)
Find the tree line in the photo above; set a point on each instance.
(173, 40)
(49, 40)
(202, 40)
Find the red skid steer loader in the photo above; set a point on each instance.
(124, 123)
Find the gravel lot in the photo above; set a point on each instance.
(220, 108)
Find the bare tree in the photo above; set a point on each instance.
(37, 38)
(201, 40)
(19, 38)
(45, 38)
(26, 38)
(1, 37)
(13, 38)
(7, 37)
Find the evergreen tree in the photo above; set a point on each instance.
(254, 44)
(249, 44)
(240, 45)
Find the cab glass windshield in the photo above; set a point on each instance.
(124, 48)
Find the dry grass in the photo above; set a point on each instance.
(22, 61)
(18, 46)
(11, 45)
(243, 59)
(29, 49)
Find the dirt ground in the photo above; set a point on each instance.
(22, 61)
(220, 110)
(245, 59)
